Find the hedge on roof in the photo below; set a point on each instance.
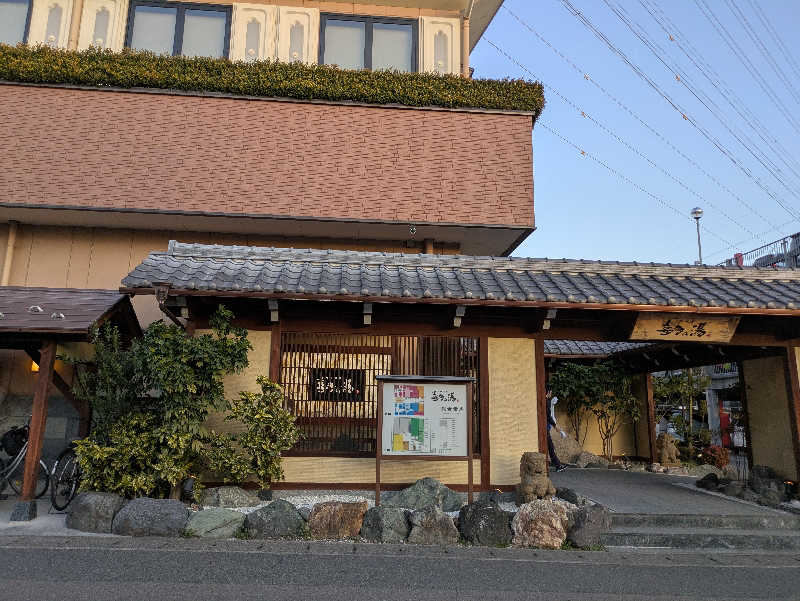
(129, 69)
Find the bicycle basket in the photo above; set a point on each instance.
(13, 440)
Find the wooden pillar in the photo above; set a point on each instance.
(651, 417)
(483, 370)
(541, 395)
(38, 419)
(793, 390)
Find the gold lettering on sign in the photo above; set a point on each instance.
(684, 327)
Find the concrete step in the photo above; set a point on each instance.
(769, 521)
(703, 538)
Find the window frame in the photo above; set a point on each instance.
(27, 29)
(369, 21)
(180, 21)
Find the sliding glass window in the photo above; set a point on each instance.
(179, 28)
(354, 42)
(15, 15)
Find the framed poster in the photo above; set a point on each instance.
(424, 417)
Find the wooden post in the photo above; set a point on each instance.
(38, 420)
(651, 417)
(541, 396)
(486, 474)
(793, 393)
(378, 443)
(469, 442)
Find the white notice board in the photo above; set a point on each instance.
(424, 418)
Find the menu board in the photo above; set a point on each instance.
(424, 419)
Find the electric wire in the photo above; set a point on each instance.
(583, 73)
(773, 33)
(619, 139)
(706, 103)
(614, 49)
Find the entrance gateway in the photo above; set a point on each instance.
(509, 307)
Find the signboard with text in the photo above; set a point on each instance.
(680, 327)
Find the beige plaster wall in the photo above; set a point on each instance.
(512, 406)
(768, 415)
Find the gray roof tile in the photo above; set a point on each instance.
(395, 275)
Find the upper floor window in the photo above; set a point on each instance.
(179, 28)
(354, 42)
(15, 15)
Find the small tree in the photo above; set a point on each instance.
(616, 407)
(270, 430)
(578, 388)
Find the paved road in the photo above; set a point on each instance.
(643, 492)
(45, 568)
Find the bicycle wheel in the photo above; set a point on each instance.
(42, 479)
(64, 481)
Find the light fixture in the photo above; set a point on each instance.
(34, 367)
(696, 214)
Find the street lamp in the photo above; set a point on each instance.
(696, 214)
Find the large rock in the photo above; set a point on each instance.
(708, 482)
(385, 525)
(334, 519)
(93, 511)
(215, 522)
(570, 496)
(151, 517)
(229, 496)
(765, 482)
(703, 470)
(590, 523)
(735, 488)
(585, 459)
(431, 526)
(771, 498)
(427, 492)
(279, 519)
(484, 523)
(567, 448)
(542, 524)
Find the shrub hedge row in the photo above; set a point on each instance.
(129, 69)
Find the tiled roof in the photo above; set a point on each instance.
(197, 268)
(593, 348)
(55, 310)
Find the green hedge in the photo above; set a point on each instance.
(128, 69)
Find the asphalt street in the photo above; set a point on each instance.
(70, 568)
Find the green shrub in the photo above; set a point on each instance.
(129, 69)
(270, 430)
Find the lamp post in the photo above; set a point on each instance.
(696, 214)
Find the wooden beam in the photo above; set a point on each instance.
(38, 419)
(541, 393)
(793, 393)
(483, 370)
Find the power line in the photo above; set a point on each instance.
(775, 38)
(629, 181)
(638, 118)
(707, 102)
(675, 35)
(600, 35)
(619, 139)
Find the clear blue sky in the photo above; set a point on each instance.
(585, 211)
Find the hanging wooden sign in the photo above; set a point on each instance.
(686, 327)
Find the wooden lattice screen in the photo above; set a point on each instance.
(329, 383)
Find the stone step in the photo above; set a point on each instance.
(703, 538)
(770, 521)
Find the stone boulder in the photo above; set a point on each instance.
(215, 522)
(229, 496)
(427, 492)
(730, 472)
(677, 470)
(591, 522)
(534, 481)
(570, 496)
(567, 448)
(385, 525)
(771, 498)
(431, 526)
(151, 517)
(484, 523)
(497, 497)
(541, 524)
(749, 496)
(279, 519)
(734, 488)
(708, 482)
(585, 459)
(93, 511)
(335, 519)
(766, 483)
(700, 471)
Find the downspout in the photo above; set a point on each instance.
(12, 240)
(465, 40)
(161, 298)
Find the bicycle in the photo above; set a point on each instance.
(65, 478)
(15, 444)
